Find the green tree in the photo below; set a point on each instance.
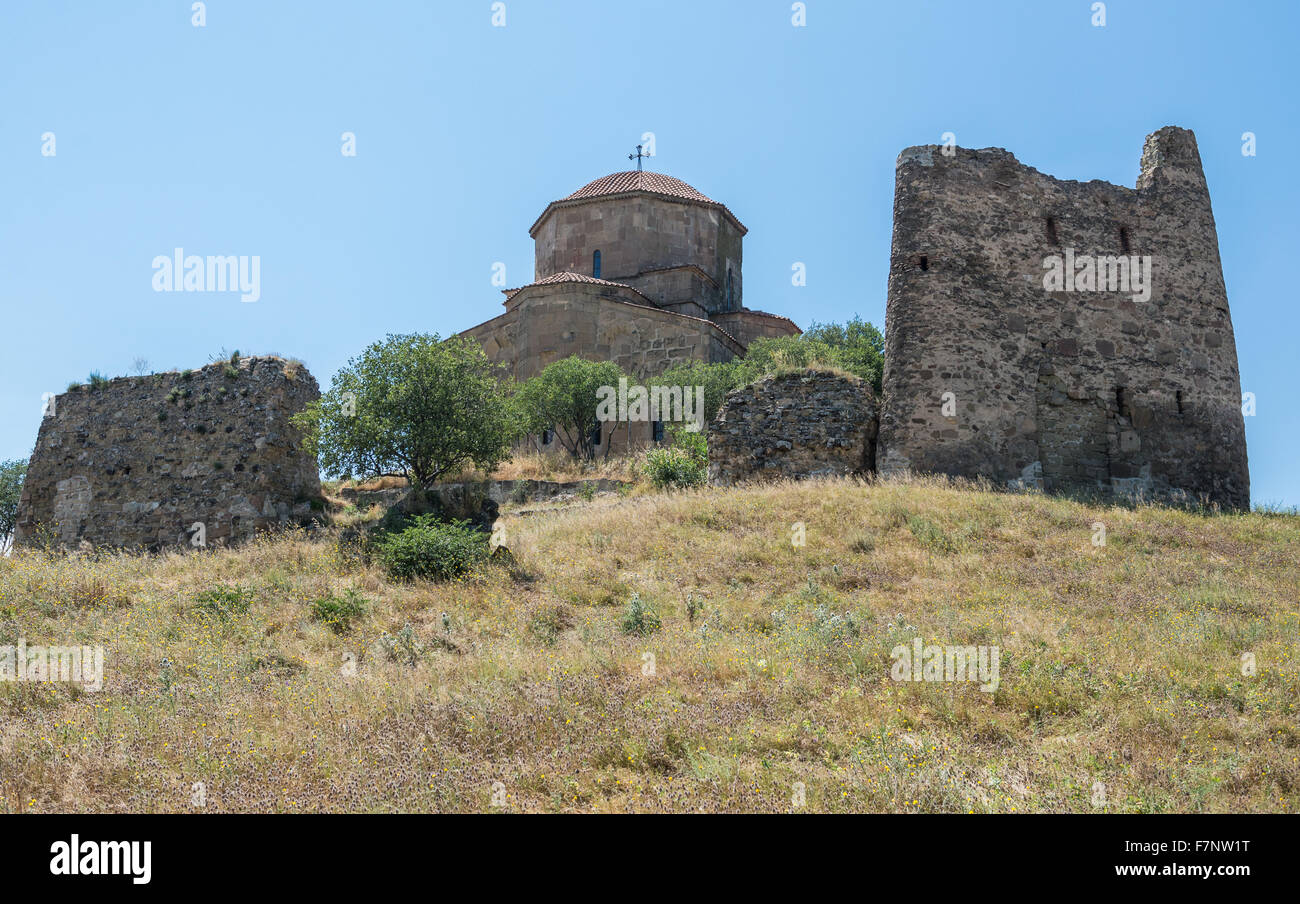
(717, 379)
(855, 346)
(858, 345)
(412, 406)
(12, 474)
(563, 398)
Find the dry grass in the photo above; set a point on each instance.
(1120, 665)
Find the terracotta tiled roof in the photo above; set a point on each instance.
(568, 276)
(617, 183)
(633, 181)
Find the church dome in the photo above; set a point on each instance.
(617, 183)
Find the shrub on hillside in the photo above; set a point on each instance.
(432, 549)
(683, 464)
(673, 467)
(338, 612)
(640, 617)
(223, 602)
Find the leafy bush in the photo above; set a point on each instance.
(432, 549)
(96, 380)
(683, 464)
(639, 617)
(673, 467)
(223, 601)
(340, 611)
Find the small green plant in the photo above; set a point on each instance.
(931, 535)
(166, 675)
(187, 374)
(639, 617)
(432, 549)
(403, 646)
(683, 464)
(834, 628)
(231, 371)
(74, 386)
(338, 612)
(588, 491)
(694, 606)
(223, 601)
(96, 380)
(672, 468)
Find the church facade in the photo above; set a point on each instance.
(637, 268)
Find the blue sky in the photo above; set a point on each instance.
(226, 139)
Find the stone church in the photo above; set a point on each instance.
(637, 268)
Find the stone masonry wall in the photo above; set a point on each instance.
(794, 425)
(552, 322)
(643, 240)
(139, 461)
(1082, 389)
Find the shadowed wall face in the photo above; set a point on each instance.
(140, 461)
(1122, 380)
(789, 426)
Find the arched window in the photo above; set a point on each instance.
(595, 264)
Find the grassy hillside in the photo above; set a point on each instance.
(1120, 665)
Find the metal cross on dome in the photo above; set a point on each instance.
(638, 157)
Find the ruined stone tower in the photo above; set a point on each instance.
(191, 459)
(1069, 335)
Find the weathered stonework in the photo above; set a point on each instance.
(794, 425)
(1083, 389)
(138, 461)
(638, 268)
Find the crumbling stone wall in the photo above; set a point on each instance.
(987, 373)
(138, 461)
(794, 425)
